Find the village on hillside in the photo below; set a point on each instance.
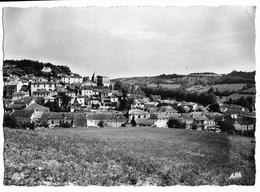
(35, 102)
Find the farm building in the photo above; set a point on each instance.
(105, 119)
(55, 119)
(138, 114)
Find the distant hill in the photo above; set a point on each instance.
(25, 67)
(205, 78)
(237, 77)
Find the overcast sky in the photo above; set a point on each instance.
(131, 41)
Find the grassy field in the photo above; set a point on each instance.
(126, 156)
(220, 87)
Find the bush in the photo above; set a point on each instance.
(10, 121)
(175, 123)
(101, 123)
(227, 126)
(194, 126)
(66, 125)
(133, 123)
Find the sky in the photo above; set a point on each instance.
(134, 41)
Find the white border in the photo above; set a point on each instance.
(136, 3)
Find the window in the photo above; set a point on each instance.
(139, 116)
(52, 122)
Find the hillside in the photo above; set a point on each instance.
(25, 67)
(192, 79)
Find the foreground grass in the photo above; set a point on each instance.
(126, 156)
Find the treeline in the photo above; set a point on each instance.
(169, 76)
(205, 98)
(236, 77)
(25, 67)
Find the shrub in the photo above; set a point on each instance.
(175, 123)
(10, 121)
(101, 123)
(133, 123)
(66, 125)
(227, 126)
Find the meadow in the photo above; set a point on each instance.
(126, 156)
(219, 87)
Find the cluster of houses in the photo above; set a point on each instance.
(94, 103)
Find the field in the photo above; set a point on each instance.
(127, 156)
(220, 87)
(165, 86)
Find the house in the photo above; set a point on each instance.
(19, 95)
(87, 91)
(105, 119)
(103, 81)
(12, 87)
(183, 109)
(137, 104)
(46, 69)
(105, 93)
(41, 93)
(72, 79)
(113, 99)
(80, 100)
(29, 114)
(46, 85)
(150, 104)
(55, 119)
(160, 120)
(155, 97)
(49, 99)
(200, 121)
(135, 114)
(88, 83)
(70, 94)
(168, 109)
(187, 119)
(246, 121)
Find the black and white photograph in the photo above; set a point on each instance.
(129, 95)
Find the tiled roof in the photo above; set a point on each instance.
(19, 105)
(56, 115)
(23, 113)
(37, 107)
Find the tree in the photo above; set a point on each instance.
(175, 123)
(101, 123)
(10, 121)
(227, 126)
(53, 106)
(214, 107)
(133, 122)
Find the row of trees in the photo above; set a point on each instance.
(183, 95)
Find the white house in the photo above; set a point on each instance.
(87, 91)
(46, 69)
(72, 79)
(138, 114)
(80, 100)
(13, 86)
(50, 86)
